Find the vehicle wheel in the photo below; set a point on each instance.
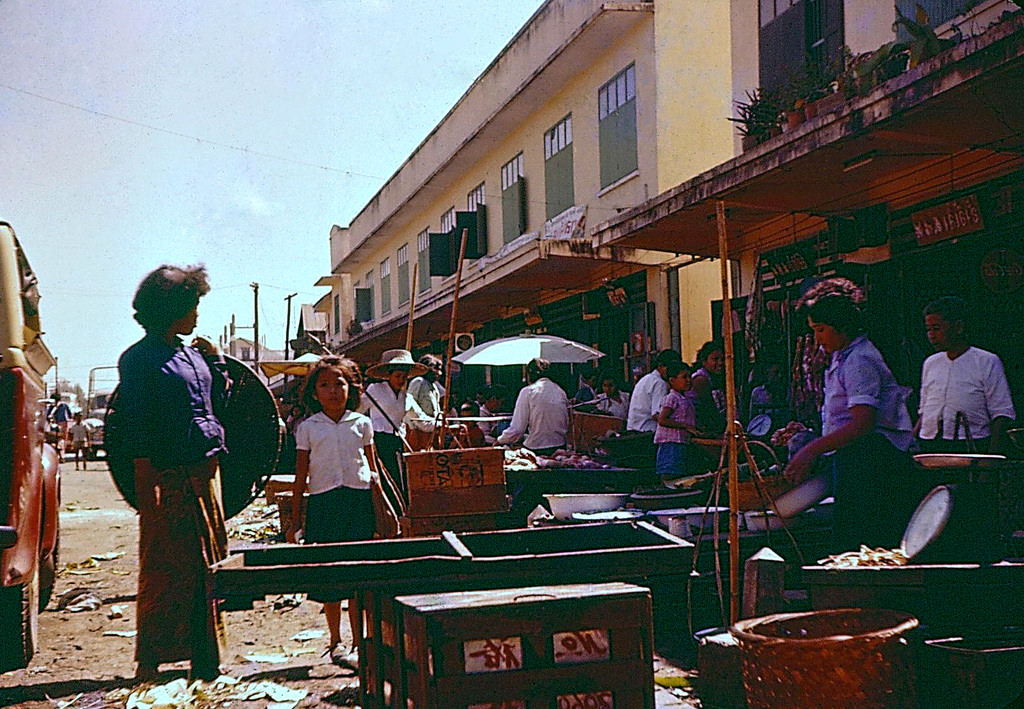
(19, 623)
(48, 574)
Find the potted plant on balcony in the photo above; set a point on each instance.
(756, 117)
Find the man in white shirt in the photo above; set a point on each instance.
(541, 413)
(965, 398)
(645, 401)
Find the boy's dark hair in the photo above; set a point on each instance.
(672, 369)
(667, 356)
(471, 407)
(707, 348)
(835, 302)
(950, 308)
(495, 391)
(609, 376)
(349, 369)
(168, 294)
(537, 368)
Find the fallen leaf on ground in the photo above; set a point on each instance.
(266, 658)
(107, 556)
(310, 634)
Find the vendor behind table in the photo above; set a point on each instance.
(965, 399)
(541, 413)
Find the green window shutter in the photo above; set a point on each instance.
(442, 260)
(403, 283)
(617, 143)
(510, 211)
(475, 223)
(385, 295)
(364, 304)
(558, 183)
(424, 270)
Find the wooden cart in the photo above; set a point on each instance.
(378, 571)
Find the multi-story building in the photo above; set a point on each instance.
(909, 179)
(592, 108)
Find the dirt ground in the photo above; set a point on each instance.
(81, 660)
(86, 658)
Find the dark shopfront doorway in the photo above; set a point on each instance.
(984, 269)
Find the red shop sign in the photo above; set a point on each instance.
(956, 218)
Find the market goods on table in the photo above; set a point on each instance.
(865, 556)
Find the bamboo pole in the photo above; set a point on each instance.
(412, 306)
(731, 432)
(451, 337)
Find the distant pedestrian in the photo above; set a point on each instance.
(335, 462)
(80, 433)
(60, 414)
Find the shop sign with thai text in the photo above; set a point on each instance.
(955, 218)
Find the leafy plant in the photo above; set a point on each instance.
(924, 43)
(758, 115)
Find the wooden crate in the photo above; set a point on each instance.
(276, 485)
(586, 429)
(456, 482)
(544, 646)
(283, 499)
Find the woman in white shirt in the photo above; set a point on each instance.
(612, 400)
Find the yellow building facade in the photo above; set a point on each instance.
(581, 76)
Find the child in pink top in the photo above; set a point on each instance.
(677, 423)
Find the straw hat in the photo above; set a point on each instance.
(395, 359)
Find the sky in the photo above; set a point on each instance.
(231, 133)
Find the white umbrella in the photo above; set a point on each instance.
(522, 348)
(298, 367)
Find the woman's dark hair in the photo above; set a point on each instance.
(949, 308)
(707, 348)
(609, 377)
(431, 361)
(835, 302)
(470, 407)
(349, 369)
(168, 294)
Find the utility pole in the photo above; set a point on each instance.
(56, 374)
(256, 321)
(288, 323)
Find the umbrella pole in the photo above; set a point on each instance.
(730, 414)
(412, 305)
(451, 338)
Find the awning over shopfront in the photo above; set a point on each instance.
(949, 123)
(539, 271)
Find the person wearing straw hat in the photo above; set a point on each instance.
(391, 408)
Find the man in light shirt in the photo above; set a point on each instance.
(645, 401)
(965, 398)
(541, 413)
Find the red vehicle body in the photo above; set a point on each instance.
(29, 474)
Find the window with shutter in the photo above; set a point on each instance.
(616, 113)
(558, 176)
(423, 258)
(513, 199)
(364, 304)
(385, 286)
(402, 257)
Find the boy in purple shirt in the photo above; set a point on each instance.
(677, 423)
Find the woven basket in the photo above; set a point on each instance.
(847, 658)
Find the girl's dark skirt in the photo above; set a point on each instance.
(342, 514)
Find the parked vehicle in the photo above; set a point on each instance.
(29, 473)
